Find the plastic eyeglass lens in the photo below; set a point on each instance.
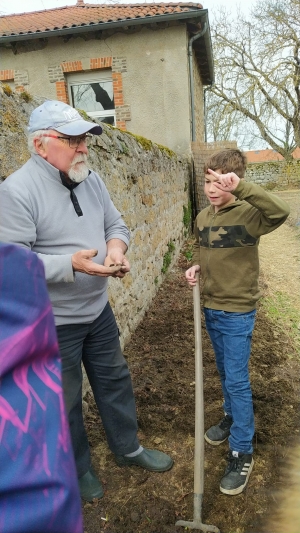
(74, 143)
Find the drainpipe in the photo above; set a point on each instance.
(190, 54)
(195, 207)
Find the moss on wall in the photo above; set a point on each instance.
(149, 145)
(167, 150)
(14, 112)
(145, 143)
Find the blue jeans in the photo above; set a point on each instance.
(231, 335)
(97, 346)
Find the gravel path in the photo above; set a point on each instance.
(280, 253)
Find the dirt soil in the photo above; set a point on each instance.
(161, 359)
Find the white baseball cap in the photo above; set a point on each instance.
(61, 117)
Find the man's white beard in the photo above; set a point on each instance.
(78, 172)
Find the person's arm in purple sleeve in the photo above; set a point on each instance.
(38, 483)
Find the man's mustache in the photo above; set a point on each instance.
(80, 158)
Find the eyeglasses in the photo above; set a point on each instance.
(74, 141)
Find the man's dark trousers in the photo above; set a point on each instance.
(97, 346)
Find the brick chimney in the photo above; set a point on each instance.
(80, 3)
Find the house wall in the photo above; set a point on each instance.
(150, 73)
(149, 186)
(199, 104)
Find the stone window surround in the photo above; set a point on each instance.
(57, 75)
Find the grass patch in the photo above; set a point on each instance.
(279, 309)
(7, 89)
(187, 215)
(167, 259)
(26, 96)
(188, 252)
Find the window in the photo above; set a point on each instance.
(94, 94)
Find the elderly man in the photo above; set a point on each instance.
(62, 210)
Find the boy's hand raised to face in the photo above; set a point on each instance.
(226, 182)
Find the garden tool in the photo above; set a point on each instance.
(199, 424)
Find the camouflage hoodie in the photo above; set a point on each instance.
(227, 246)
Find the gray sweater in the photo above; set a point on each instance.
(36, 212)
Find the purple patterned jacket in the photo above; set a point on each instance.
(38, 484)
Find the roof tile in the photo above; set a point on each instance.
(86, 15)
(263, 156)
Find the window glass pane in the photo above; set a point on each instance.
(93, 96)
(108, 120)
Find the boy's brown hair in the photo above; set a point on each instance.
(228, 160)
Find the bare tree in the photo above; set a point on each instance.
(223, 123)
(257, 63)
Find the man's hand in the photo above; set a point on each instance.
(82, 262)
(116, 257)
(190, 275)
(226, 182)
(120, 261)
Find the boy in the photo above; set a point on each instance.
(227, 234)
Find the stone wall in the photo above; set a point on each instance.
(275, 174)
(149, 184)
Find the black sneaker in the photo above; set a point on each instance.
(237, 473)
(217, 434)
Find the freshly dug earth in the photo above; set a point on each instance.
(161, 359)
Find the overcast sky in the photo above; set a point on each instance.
(20, 6)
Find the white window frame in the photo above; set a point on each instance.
(91, 77)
